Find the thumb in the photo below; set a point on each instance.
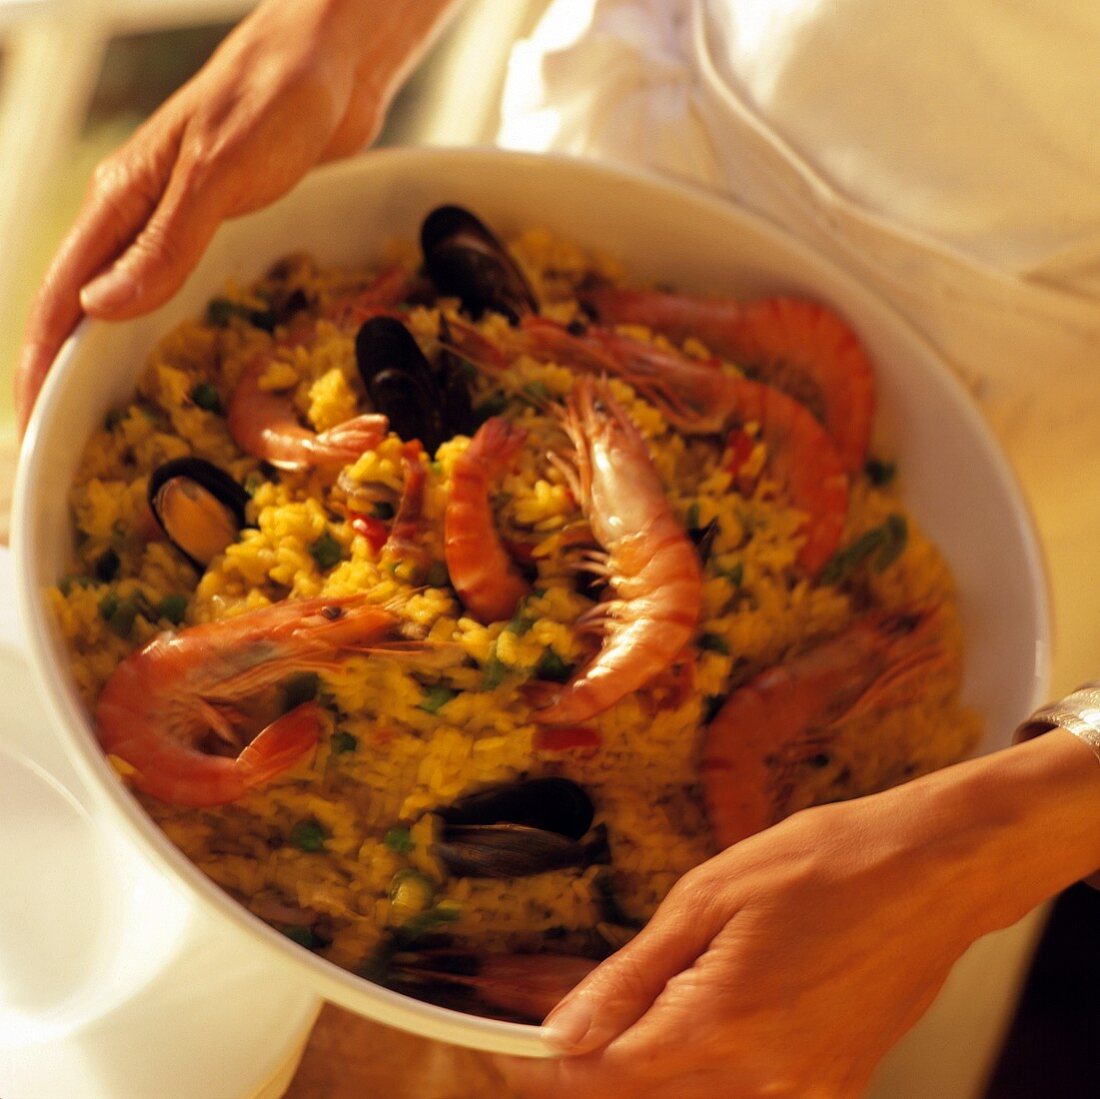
(618, 992)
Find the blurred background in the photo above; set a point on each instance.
(76, 78)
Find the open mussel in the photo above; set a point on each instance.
(199, 507)
(517, 829)
(465, 260)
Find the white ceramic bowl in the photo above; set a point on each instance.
(956, 482)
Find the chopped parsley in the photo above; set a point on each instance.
(308, 835)
(435, 698)
(326, 551)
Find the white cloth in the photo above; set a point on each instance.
(945, 153)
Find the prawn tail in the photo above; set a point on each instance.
(345, 442)
(282, 744)
(497, 445)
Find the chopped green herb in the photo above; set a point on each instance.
(172, 607)
(67, 583)
(425, 922)
(206, 397)
(437, 576)
(435, 698)
(736, 575)
(221, 311)
(398, 840)
(326, 551)
(299, 689)
(897, 535)
(495, 671)
(106, 566)
(552, 667)
(108, 605)
(303, 936)
(520, 623)
(382, 509)
(691, 517)
(343, 741)
(713, 643)
(308, 835)
(880, 472)
(881, 546)
(121, 620)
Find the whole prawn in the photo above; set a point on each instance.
(170, 696)
(481, 571)
(793, 344)
(785, 715)
(651, 563)
(265, 424)
(702, 398)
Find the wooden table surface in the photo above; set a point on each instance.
(348, 1057)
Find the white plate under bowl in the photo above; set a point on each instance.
(955, 479)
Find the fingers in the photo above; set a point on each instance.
(163, 253)
(620, 990)
(122, 195)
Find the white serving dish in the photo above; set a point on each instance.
(956, 481)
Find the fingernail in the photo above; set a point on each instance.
(109, 291)
(567, 1025)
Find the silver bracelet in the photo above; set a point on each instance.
(1078, 713)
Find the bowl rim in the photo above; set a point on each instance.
(329, 980)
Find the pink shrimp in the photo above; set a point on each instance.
(701, 398)
(651, 563)
(785, 716)
(168, 698)
(794, 344)
(404, 540)
(525, 986)
(481, 571)
(265, 424)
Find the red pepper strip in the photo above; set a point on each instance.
(523, 552)
(373, 530)
(562, 740)
(739, 444)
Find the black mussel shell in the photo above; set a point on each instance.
(458, 410)
(199, 507)
(465, 260)
(399, 380)
(551, 804)
(703, 537)
(509, 851)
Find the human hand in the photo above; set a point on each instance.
(293, 85)
(787, 965)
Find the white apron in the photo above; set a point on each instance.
(947, 154)
(990, 246)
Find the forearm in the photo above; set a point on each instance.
(395, 34)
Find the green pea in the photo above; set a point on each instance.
(308, 835)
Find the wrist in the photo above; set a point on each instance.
(1019, 825)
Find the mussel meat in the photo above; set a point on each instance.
(465, 260)
(199, 507)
